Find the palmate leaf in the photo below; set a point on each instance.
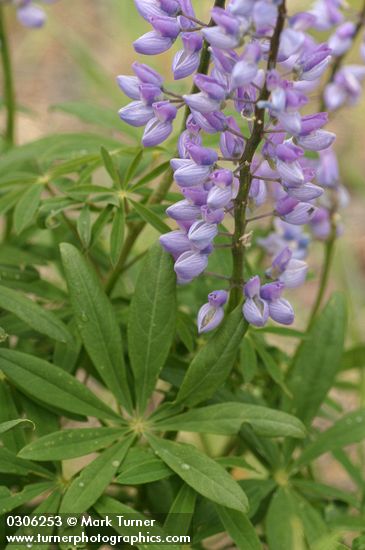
(213, 363)
(152, 318)
(227, 419)
(317, 361)
(97, 323)
(201, 472)
(51, 385)
(33, 315)
(67, 444)
(86, 488)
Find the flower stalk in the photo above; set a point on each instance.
(8, 83)
(245, 176)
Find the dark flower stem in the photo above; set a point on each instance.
(8, 86)
(161, 190)
(240, 204)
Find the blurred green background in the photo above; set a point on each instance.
(77, 56)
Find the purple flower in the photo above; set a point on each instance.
(191, 174)
(328, 170)
(211, 314)
(186, 61)
(317, 140)
(255, 309)
(168, 27)
(136, 113)
(152, 43)
(288, 270)
(190, 265)
(301, 214)
(201, 234)
(175, 242)
(31, 15)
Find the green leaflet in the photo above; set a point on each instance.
(317, 361)
(213, 363)
(133, 167)
(106, 506)
(12, 464)
(117, 234)
(292, 522)
(227, 419)
(11, 439)
(48, 506)
(83, 225)
(26, 207)
(96, 322)
(38, 318)
(142, 466)
(248, 360)
(202, 473)
(6, 426)
(284, 527)
(181, 512)
(151, 175)
(326, 492)
(151, 324)
(87, 487)
(51, 385)
(110, 166)
(353, 358)
(10, 500)
(150, 217)
(70, 443)
(349, 429)
(239, 528)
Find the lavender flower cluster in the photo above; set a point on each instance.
(295, 170)
(30, 14)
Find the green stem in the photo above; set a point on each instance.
(8, 86)
(240, 203)
(328, 261)
(160, 192)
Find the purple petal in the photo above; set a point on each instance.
(136, 113)
(31, 16)
(156, 132)
(129, 85)
(190, 265)
(281, 311)
(152, 43)
(218, 298)
(256, 311)
(209, 318)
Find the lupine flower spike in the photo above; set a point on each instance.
(296, 164)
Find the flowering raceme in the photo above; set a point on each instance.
(264, 65)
